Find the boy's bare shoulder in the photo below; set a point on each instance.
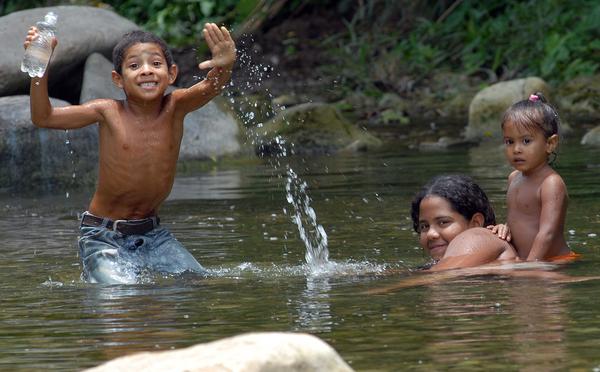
(103, 103)
(100, 110)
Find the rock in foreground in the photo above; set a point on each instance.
(252, 352)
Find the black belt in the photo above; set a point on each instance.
(125, 227)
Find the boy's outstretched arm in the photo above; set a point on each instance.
(43, 114)
(223, 52)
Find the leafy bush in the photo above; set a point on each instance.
(553, 39)
(179, 22)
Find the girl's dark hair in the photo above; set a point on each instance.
(465, 196)
(534, 113)
(135, 37)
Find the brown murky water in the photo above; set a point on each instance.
(233, 221)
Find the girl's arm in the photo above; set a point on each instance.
(554, 199)
(501, 230)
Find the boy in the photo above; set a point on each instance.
(139, 140)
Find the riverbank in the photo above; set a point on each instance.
(294, 62)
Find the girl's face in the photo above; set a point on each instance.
(439, 223)
(527, 149)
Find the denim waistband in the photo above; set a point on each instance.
(125, 227)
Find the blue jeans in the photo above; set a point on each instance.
(113, 258)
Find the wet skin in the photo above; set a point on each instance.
(537, 196)
(456, 242)
(139, 138)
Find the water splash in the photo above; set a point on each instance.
(303, 215)
(305, 218)
(72, 158)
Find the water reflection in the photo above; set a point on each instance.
(493, 322)
(314, 307)
(121, 316)
(541, 316)
(217, 185)
(232, 221)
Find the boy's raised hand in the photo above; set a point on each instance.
(221, 46)
(33, 34)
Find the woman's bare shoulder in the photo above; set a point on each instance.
(477, 240)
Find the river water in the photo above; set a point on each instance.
(237, 222)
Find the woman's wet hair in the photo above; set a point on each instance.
(534, 113)
(463, 194)
(135, 37)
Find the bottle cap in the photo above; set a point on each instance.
(51, 18)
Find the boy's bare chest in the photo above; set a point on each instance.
(139, 138)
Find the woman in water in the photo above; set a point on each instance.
(450, 214)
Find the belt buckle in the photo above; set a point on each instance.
(116, 224)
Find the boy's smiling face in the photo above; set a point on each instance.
(145, 74)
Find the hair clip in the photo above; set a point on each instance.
(534, 98)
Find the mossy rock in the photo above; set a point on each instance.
(580, 98)
(487, 107)
(592, 138)
(314, 128)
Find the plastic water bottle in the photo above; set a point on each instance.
(37, 54)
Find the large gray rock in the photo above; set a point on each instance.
(313, 128)
(209, 132)
(81, 30)
(592, 138)
(253, 352)
(488, 106)
(97, 80)
(42, 158)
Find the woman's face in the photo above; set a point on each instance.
(439, 223)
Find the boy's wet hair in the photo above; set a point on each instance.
(135, 37)
(534, 113)
(463, 194)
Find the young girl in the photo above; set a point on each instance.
(449, 214)
(537, 196)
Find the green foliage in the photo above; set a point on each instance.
(9, 6)
(180, 22)
(553, 39)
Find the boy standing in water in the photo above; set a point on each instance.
(139, 140)
(537, 196)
